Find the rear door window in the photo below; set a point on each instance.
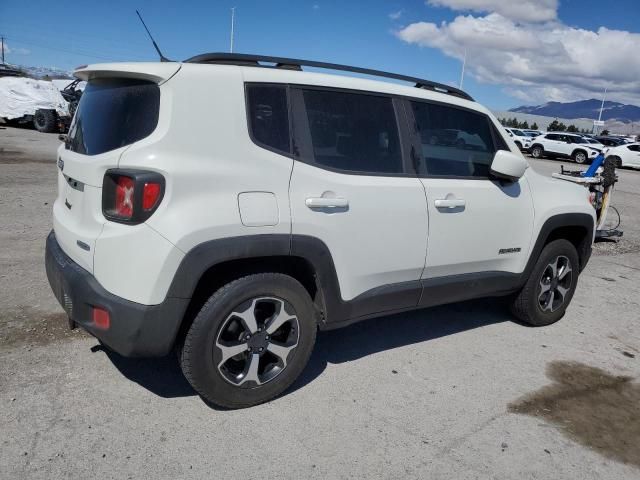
(113, 113)
(353, 132)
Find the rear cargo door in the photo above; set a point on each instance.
(114, 112)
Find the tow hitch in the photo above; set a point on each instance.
(600, 179)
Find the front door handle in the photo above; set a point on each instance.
(325, 202)
(449, 203)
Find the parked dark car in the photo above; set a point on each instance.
(610, 141)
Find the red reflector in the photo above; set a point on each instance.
(150, 195)
(124, 197)
(101, 318)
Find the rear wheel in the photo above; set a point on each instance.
(45, 121)
(537, 151)
(545, 297)
(580, 156)
(250, 341)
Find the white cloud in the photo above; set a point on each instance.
(16, 50)
(316, 6)
(521, 10)
(396, 15)
(538, 61)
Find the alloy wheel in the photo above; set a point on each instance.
(555, 284)
(255, 341)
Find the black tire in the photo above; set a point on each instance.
(45, 121)
(580, 157)
(537, 151)
(201, 357)
(617, 161)
(530, 303)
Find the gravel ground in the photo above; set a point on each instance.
(458, 391)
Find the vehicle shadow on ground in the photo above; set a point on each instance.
(163, 377)
(386, 333)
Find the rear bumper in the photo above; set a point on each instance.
(135, 330)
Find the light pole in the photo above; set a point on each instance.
(233, 17)
(464, 62)
(602, 106)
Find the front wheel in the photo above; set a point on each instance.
(547, 293)
(617, 161)
(250, 340)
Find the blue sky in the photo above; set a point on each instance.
(363, 33)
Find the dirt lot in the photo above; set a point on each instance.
(450, 392)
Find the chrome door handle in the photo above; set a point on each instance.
(449, 203)
(324, 202)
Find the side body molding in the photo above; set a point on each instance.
(379, 301)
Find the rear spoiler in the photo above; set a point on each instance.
(153, 71)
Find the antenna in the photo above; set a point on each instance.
(155, 45)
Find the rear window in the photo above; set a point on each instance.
(113, 113)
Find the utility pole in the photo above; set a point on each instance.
(464, 62)
(233, 18)
(2, 49)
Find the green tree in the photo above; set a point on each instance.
(572, 128)
(554, 126)
(525, 125)
(534, 126)
(562, 127)
(604, 132)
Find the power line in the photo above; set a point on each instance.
(73, 52)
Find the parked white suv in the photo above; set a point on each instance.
(520, 138)
(563, 145)
(231, 205)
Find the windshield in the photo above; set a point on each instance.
(113, 113)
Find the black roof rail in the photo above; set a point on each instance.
(297, 64)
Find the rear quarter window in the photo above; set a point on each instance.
(268, 116)
(113, 113)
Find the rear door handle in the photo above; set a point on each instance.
(450, 203)
(324, 202)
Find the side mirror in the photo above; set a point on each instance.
(507, 165)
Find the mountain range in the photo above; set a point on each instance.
(584, 109)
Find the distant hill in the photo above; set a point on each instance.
(43, 72)
(584, 109)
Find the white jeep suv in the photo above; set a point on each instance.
(229, 206)
(520, 138)
(563, 145)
